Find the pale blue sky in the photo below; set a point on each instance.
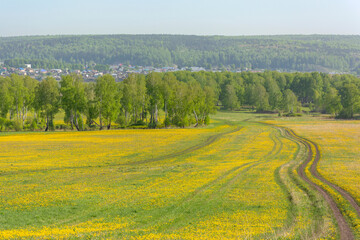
(199, 17)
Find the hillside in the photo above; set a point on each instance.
(326, 53)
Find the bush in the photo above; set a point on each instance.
(51, 125)
(152, 125)
(292, 115)
(121, 121)
(167, 122)
(140, 122)
(207, 120)
(33, 125)
(17, 126)
(138, 127)
(9, 124)
(2, 123)
(81, 122)
(62, 127)
(181, 122)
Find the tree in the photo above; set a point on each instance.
(47, 100)
(230, 100)
(289, 101)
(258, 97)
(169, 80)
(73, 99)
(17, 90)
(5, 97)
(133, 98)
(153, 87)
(106, 95)
(196, 97)
(350, 100)
(91, 110)
(180, 105)
(209, 104)
(30, 85)
(275, 95)
(332, 101)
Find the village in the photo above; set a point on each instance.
(119, 72)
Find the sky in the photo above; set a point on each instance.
(190, 17)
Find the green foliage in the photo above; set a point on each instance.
(350, 100)
(2, 123)
(106, 98)
(47, 100)
(207, 120)
(287, 53)
(17, 125)
(289, 101)
(332, 101)
(73, 99)
(167, 122)
(33, 125)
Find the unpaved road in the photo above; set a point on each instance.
(344, 228)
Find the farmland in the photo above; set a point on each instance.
(245, 176)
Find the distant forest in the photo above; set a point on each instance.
(324, 53)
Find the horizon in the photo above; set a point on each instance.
(200, 18)
(160, 34)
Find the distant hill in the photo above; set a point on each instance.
(324, 53)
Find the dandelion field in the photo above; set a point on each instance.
(236, 179)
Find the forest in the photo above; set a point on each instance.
(184, 98)
(304, 53)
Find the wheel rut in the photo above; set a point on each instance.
(344, 228)
(313, 158)
(224, 181)
(210, 140)
(206, 143)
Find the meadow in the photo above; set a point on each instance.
(235, 179)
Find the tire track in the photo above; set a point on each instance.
(292, 213)
(315, 208)
(280, 179)
(196, 194)
(343, 192)
(314, 205)
(344, 228)
(206, 143)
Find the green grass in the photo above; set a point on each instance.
(236, 187)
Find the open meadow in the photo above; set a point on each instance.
(245, 176)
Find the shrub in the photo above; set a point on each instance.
(2, 123)
(33, 125)
(292, 115)
(17, 126)
(167, 122)
(121, 121)
(207, 120)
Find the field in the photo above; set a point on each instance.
(246, 176)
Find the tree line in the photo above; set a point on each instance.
(182, 97)
(325, 53)
(338, 95)
(26, 103)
